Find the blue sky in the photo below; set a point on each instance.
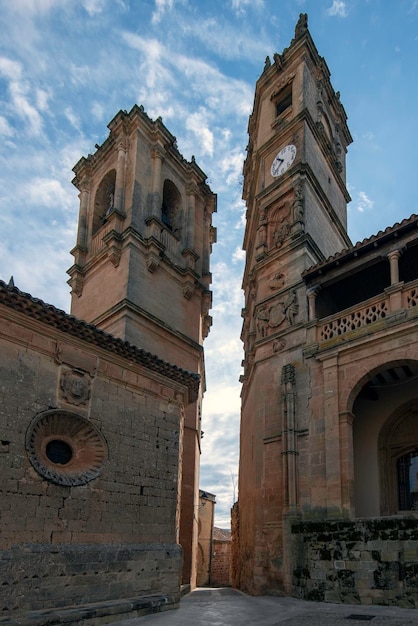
(68, 66)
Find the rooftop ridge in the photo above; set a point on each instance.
(364, 244)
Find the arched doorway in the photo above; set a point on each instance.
(385, 437)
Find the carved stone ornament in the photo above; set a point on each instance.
(278, 281)
(65, 448)
(281, 232)
(275, 315)
(75, 387)
(298, 204)
(279, 345)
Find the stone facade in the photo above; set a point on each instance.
(329, 403)
(91, 440)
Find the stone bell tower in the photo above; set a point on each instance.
(296, 197)
(141, 264)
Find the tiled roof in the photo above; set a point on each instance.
(362, 247)
(24, 303)
(221, 534)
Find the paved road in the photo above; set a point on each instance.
(228, 607)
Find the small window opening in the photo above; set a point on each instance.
(284, 100)
(58, 452)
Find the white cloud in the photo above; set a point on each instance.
(238, 256)
(24, 108)
(97, 111)
(216, 34)
(240, 5)
(19, 94)
(363, 202)
(5, 129)
(48, 193)
(72, 118)
(12, 70)
(34, 7)
(161, 7)
(94, 7)
(42, 98)
(338, 8)
(198, 124)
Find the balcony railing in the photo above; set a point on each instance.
(375, 310)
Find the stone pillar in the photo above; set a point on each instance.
(289, 451)
(347, 462)
(332, 436)
(120, 178)
(312, 293)
(82, 220)
(157, 156)
(394, 266)
(191, 209)
(395, 290)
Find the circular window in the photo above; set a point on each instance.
(65, 448)
(58, 451)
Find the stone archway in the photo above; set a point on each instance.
(378, 403)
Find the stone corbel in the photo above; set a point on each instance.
(190, 257)
(188, 289)
(152, 262)
(79, 253)
(113, 241)
(207, 323)
(76, 281)
(153, 254)
(206, 302)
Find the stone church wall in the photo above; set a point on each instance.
(357, 562)
(104, 526)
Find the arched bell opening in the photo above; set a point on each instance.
(171, 207)
(104, 200)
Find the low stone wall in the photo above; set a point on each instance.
(40, 577)
(357, 562)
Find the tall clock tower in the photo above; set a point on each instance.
(296, 198)
(141, 264)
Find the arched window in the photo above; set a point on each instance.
(171, 206)
(104, 200)
(398, 460)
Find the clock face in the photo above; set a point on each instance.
(283, 160)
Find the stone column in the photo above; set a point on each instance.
(191, 209)
(157, 156)
(82, 220)
(312, 293)
(120, 178)
(395, 290)
(332, 437)
(347, 462)
(394, 266)
(289, 451)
